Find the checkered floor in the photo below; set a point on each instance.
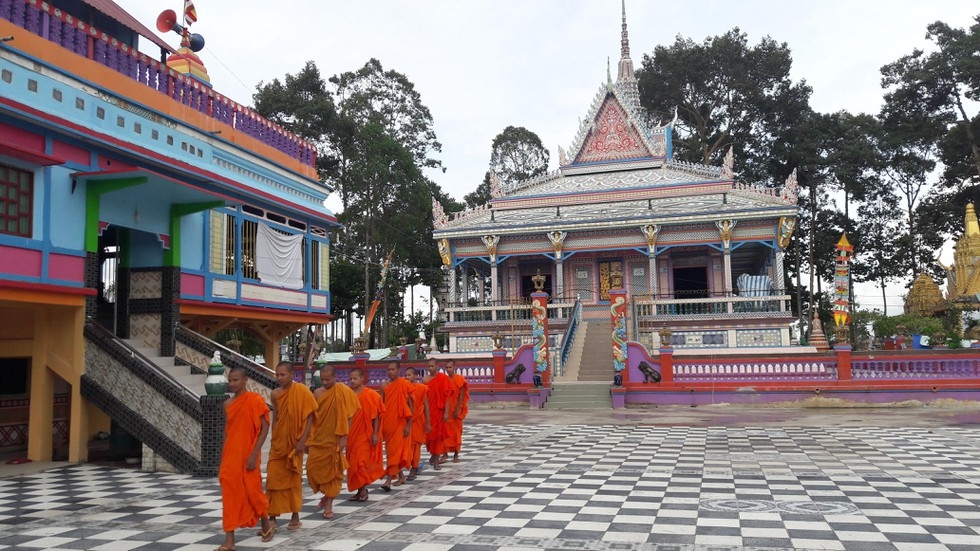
(569, 487)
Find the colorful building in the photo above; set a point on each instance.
(136, 202)
(698, 252)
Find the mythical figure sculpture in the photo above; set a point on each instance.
(786, 227)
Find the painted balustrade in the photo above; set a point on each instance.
(46, 21)
(879, 369)
(754, 371)
(505, 311)
(717, 304)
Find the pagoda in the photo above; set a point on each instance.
(698, 252)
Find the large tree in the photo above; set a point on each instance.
(516, 154)
(726, 94)
(933, 97)
(302, 104)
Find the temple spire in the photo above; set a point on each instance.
(626, 78)
(971, 226)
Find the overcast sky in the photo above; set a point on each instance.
(481, 65)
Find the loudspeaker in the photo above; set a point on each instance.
(167, 21)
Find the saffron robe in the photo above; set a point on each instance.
(242, 501)
(326, 463)
(439, 390)
(420, 399)
(398, 450)
(366, 462)
(284, 472)
(454, 427)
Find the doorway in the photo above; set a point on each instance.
(691, 282)
(607, 269)
(108, 312)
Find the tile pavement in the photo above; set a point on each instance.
(563, 487)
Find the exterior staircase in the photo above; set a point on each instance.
(588, 370)
(188, 377)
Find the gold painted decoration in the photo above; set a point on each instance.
(557, 239)
(787, 225)
(490, 241)
(726, 229)
(650, 232)
(447, 258)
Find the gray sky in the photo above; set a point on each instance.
(481, 65)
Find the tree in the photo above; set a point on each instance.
(481, 195)
(517, 154)
(301, 104)
(727, 94)
(934, 94)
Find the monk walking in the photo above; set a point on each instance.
(327, 460)
(293, 407)
(456, 409)
(364, 453)
(420, 420)
(439, 390)
(396, 425)
(246, 426)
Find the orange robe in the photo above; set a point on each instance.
(326, 464)
(439, 390)
(284, 472)
(420, 396)
(454, 427)
(366, 461)
(242, 500)
(398, 450)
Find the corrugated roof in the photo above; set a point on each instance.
(113, 10)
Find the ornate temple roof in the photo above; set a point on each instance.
(619, 170)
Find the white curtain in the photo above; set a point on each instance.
(279, 257)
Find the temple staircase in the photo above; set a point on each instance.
(588, 371)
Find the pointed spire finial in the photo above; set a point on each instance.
(625, 41)
(608, 70)
(626, 78)
(971, 227)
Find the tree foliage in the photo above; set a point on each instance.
(517, 154)
(726, 94)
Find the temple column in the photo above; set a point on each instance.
(726, 229)
(450, 274)
(650, 233)
(494, 283)
(557, 239)
(779, 278)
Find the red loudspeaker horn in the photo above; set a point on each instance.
(166, 21)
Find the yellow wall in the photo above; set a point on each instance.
(51, 336)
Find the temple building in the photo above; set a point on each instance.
(141, 211)
(698, 252)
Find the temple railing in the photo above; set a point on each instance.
(53, 24)
(708, 305)
(505, 311)
(914, 368)
(569, 338)
(756, 370)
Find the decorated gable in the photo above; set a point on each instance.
(615, 137)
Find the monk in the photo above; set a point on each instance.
(420, 420)
(364, 453)
(246, 426)
(293, 407)
(456, 410)
(325, 466)
(439, 390)
(396, 425)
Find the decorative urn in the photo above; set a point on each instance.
(216, 383)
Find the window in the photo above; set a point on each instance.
(16, 201)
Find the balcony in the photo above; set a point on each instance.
(505, 311)
(53, 25)
(675, 305)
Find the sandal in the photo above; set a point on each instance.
(268, 534)
(294, 525)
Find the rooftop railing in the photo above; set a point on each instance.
(708, 304)
(46, 21)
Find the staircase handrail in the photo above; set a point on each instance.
(569, 338)
(256, 371)
(121, 349)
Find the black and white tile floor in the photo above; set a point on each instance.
(568, 487)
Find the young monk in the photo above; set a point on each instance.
(396, 425)
(364, 453)
(327, 461)
(246, 426)
(293, 406)
(456, 410)
(439, 390)
(420, 419)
